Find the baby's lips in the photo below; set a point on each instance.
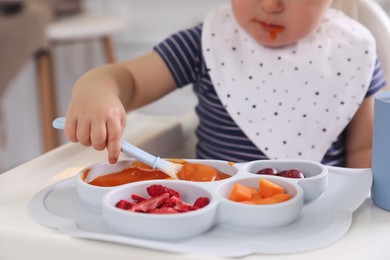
(271, 27)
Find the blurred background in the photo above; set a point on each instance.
(36, 38)
(147, 22)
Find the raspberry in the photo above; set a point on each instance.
(124, 204)
(164, 210)
(150, 204)
(137, 198)
(181, 206)
(156, 189)
(162, 200)
(201, 202)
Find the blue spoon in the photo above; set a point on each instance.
(155, 162)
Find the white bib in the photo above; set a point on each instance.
(291, 102)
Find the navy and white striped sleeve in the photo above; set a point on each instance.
(182, 54)
(378, 80)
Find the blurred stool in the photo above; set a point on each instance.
(69, 29)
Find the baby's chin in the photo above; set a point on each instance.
(275, 43)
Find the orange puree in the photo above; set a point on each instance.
(128, 175)
(138, 171)
(200, 172)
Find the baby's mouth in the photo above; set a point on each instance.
(272, 29)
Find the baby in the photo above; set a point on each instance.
(275, 79)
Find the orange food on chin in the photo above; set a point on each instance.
(272, 29)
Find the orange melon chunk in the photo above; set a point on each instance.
(267, 193)
(256, 196)
(268, 188)
(254, 191)
(240, 193)
(247, 202)
(281, 197)
(267, 201)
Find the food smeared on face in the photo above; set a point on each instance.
(272, 29)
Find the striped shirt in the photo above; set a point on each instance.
(219, 137)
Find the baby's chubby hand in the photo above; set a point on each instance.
(97, 121)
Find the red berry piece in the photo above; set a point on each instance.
(156, 190)
(150, 204)
(163, 200)
(124, 204)
(164, 210)
(137, 198)
(292, 173)
(182, 206)
(201, 202)
(268, 171)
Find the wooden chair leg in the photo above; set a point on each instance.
(47, 99)
(108, 49)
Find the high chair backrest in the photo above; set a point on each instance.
(371, 15)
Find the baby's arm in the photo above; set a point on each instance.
(359, 136)
(96, 115)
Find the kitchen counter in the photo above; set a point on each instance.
(23, 238)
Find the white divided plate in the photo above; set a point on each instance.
(321, 223)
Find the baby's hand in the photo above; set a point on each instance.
(98, 121)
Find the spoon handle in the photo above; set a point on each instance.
(137, 153)
(140, 155)
(59, 123)
(154, 161)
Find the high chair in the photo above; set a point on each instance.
(71, 29)
(371, 14)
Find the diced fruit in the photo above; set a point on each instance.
(268, 188)
(181, 206)
(256, 196)
(163, 200)
(155, 190)
(137, 198)
(124, 204)
(267, 201)
(164, 210)
(150, 204)
(247, 202)
(170, 203)
(268, 193)
(201, 202)
(254, 191)
(282, 197)
(240, 193)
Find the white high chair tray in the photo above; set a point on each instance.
(321, 223)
